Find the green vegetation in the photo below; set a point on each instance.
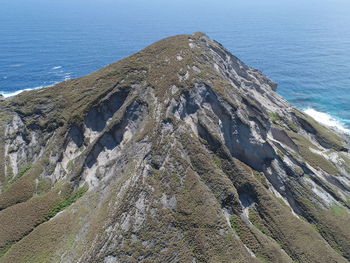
(292, 126)
(345, 162)
(233, 222)
(331, 223)
(275, 118)
(280, 153)
(187, 181)
(265, 248)
(24, 187)
(257, 222)
(314, 159)
(217, 161)
(23, 170)
(70, 165)
(281, 201)
(324, 135)
(317, 160)
(337, 209)
(261, 258)
(278, 120)
(261, 177)
(66, 202)
(43, 185)
(19, 220)
(4, 250)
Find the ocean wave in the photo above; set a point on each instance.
(327, 120)
(15, 65)
(11, 94)
(57, 67)
(7, 94)
(68, 76)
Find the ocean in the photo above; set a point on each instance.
(304, 46)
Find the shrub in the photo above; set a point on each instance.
(275, 117)
(4, 250)
(66, 202)
(234, 223)
(23, 169)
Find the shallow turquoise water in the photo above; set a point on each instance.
(305, 47)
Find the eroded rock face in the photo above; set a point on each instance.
(188, 155)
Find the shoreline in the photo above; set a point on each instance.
(327, 120)
(12, 94)
(6, 95)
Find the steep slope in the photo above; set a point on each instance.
(178, 153)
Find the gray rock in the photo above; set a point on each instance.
(189, 155)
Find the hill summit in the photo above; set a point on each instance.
(178, 153)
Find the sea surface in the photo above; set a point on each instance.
(302, 45)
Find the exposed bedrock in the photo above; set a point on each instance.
(178, 153)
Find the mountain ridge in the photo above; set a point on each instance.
(177, 153)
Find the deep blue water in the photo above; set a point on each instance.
(302, 45)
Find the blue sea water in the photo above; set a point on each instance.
(302, 45)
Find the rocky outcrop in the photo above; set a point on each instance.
(178, 153)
